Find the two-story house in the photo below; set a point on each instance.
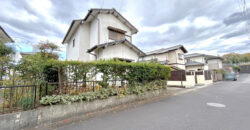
(173, 56)
(197, 61)
(102, 34)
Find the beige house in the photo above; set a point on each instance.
(197, 61)
(102, 34)
(173, 56)
(4, 37)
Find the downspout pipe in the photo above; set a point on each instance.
(93, 55)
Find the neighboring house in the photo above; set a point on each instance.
(23, 54)
(4, 37)
(19, 55)
(102, 34)
(197, 61)
(173, 56)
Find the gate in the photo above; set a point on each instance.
(179, 75)
(197, 73)
(207, 75)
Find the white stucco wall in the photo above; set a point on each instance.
(171, 57)
(180, 62)
(194, 68)
(73, 52)
(190, 82)
(110, 20)
(84, 42)
(214, 64)
(200, 59)
(183, 67)
(119, 50)
(200, 79)
(93, 30)
(160, 57)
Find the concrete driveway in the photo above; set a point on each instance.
(222, 106)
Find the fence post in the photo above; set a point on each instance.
(46, 89)
(34, 97)
(40, 92)
(11, 98)
(181, 79)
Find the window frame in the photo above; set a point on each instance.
(116, 35)
(180, 56)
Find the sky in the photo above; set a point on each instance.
(212, 27)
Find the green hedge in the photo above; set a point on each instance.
(35, 69)
(111, 70)
(104, 93)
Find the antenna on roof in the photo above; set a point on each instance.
(120, 6)
(245, 11)
(102, 4)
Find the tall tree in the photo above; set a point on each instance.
(35, 68)
(235, 58)
(47, 49)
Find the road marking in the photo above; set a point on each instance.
(212, 104)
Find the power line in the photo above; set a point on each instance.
(121, 3)
(244, 11)
(245, 14)
(102, 4)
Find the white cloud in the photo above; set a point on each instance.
(161, 29)
(202, 22)
(42, 7)
(183, 23)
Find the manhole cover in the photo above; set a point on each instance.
(212, 104)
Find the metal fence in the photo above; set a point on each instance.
(208, 75)
(14, 98)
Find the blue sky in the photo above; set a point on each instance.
(213, 27)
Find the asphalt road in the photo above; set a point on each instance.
(190, 111)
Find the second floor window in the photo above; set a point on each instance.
(115, 33)
(180, 56)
